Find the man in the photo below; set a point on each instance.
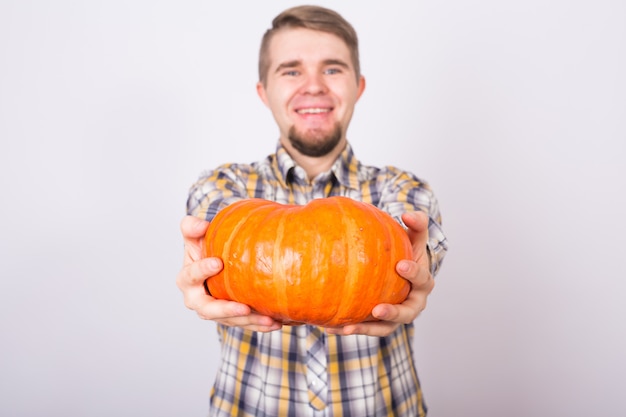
(310, 80)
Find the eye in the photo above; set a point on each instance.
(332, 71)
(291, 73)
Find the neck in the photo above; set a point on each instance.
(314, 165)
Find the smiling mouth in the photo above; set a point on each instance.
(313, 110)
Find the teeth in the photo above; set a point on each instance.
(313, 111)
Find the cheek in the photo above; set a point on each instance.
(279, 101)
(347, 94)
(276, 105)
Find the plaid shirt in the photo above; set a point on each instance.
(271, 374)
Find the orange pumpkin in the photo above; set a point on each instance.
(328, 262)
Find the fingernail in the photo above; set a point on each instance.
(213, 263)
(403, 267)
(241, 310)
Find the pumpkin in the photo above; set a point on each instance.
(327, 263)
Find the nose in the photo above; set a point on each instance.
(314, 84)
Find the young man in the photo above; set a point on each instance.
(310, 80)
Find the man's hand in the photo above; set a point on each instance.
(417, 272)
(196, 270)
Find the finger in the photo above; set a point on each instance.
(417, 224)
(222, 310)
(376, 329)
(400, 313)
(193, 227)
(411, 308)
(195, 273)
(253, 321)
(265, 329)
(416, 273)
(231, 313)
(193, 230)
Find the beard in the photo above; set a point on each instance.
(315, 143)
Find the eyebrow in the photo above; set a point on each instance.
(296, 62)
(337, 62)
(288, 64)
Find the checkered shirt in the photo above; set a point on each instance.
(301, 370)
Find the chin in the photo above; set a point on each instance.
(315, 143)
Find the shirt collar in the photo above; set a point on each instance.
(345, 169)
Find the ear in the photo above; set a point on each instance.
(361, 87)
(260, 90)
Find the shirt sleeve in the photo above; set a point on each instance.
(403, 192)
(216, 189)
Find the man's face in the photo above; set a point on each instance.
(311, 89)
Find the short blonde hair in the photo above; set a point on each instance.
(314, 18)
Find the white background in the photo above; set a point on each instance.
(514, 111)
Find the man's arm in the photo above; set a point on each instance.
(217, 189)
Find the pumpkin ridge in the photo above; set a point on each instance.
(215, 247)
(281, 289)
(226, 249)
(326, 269)
(353, 307)
(299, 260)
(399, 289)
(385, 246)
(229, 279)
(252, 288)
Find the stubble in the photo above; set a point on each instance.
(315, 143)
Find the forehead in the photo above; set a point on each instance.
(306, 46)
